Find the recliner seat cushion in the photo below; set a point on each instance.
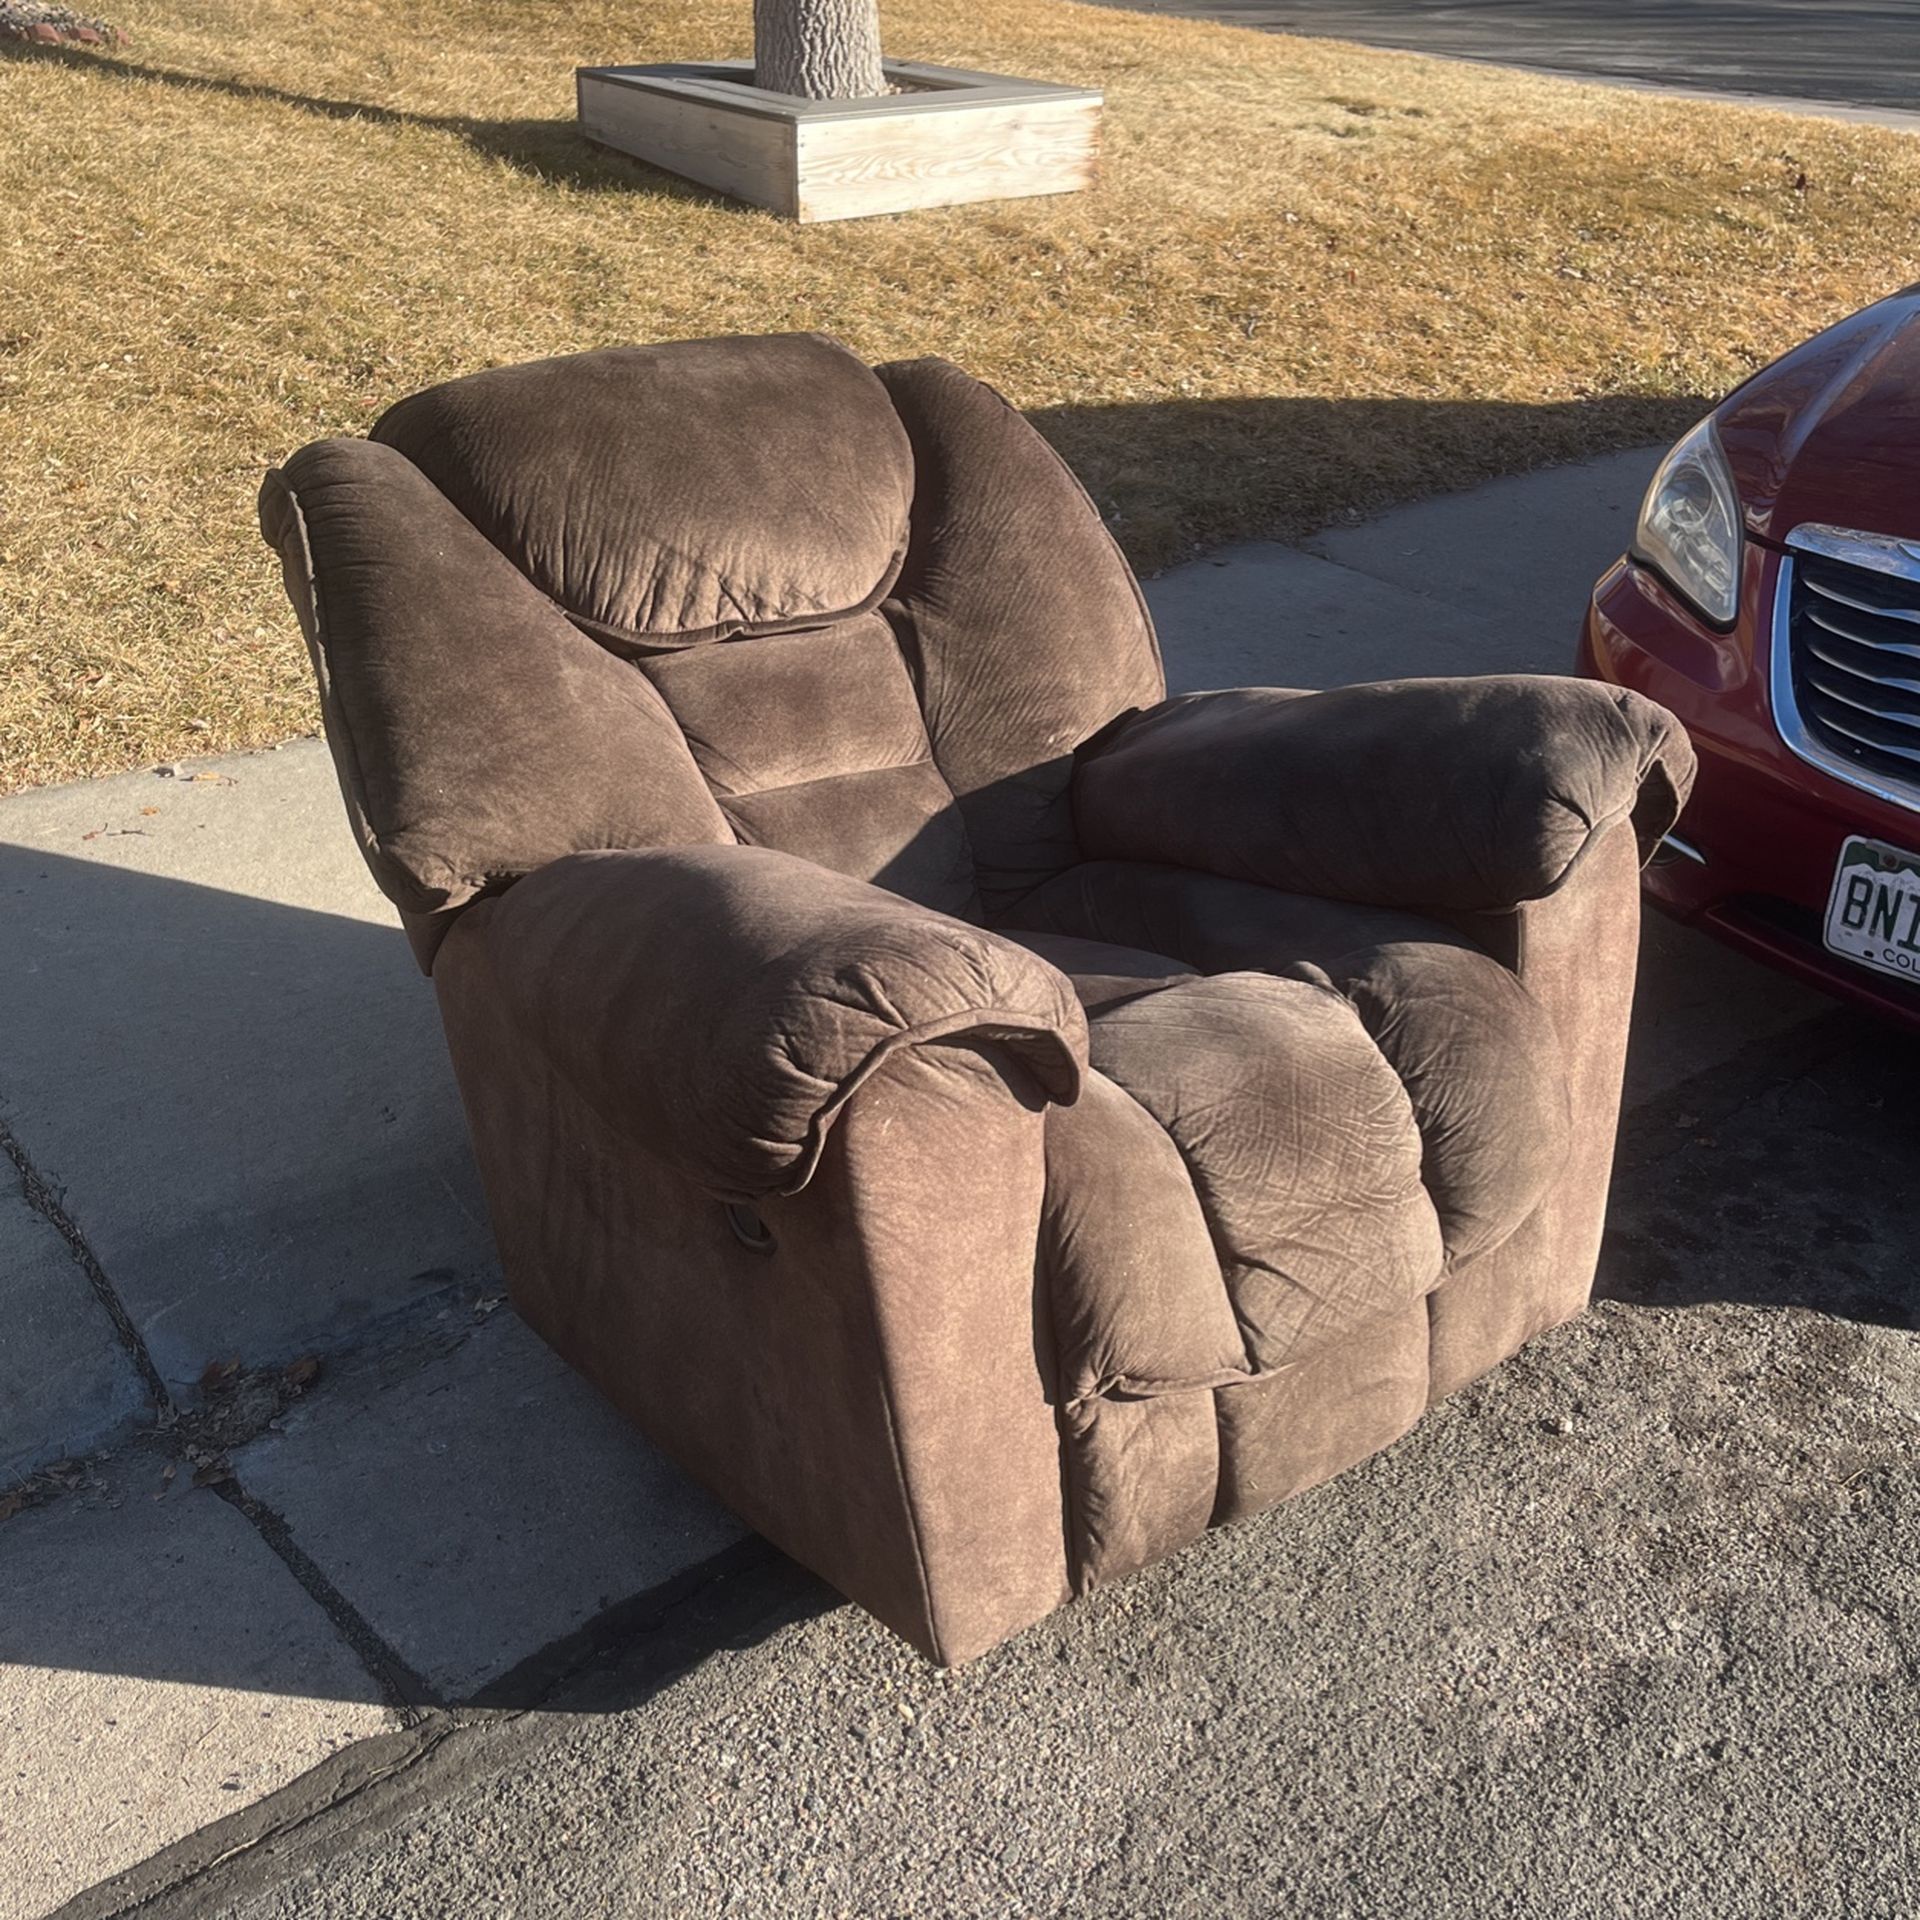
(1353, 1119)
(1243, 1182)
(1300, 1141)
(1482, 1066)
(1133, 1282)
(1218, 1355)
(1101, 973)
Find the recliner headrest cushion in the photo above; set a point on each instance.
(672, 494)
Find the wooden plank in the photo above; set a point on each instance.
(700, 138)
(889, 161)
(687, 82)
(930, 86)
(986, 86)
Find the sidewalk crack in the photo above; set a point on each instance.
(403, 1691)
(45, 1202)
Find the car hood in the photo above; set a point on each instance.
(1831, 433)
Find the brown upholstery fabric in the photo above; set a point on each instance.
(1575, 955)
(1439, 793)
(772, 713)
(1476, 1053)
(1289, 1431)
(1481, 1065)
(946, 1229)
(1142, 1480)
(1021, 621)
(666, 495)
(851, 1393)
(1139, 1308)
(721, 1004)
(795, 764)
(1301, 1143)
(987, 1121)
(1102, 974)
(477, 733)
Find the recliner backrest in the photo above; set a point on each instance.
(752, 589)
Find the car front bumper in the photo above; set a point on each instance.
(1753, 857)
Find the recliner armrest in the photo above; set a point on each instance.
(720, 1005)
(1460, 794)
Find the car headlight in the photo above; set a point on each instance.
(1689, 527)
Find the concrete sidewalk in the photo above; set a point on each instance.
(292, 1489)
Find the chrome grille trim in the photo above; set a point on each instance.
(1851, 697)
(1843, 694)
(1824, 617)
(1905, 753)
(1875, 552)
(1681, 849)
(1828, 657)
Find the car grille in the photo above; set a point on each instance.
(1853, 638)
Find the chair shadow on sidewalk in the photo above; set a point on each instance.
(244, 1107)
(1781, 1180)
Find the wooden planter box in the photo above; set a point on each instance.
(950, 136)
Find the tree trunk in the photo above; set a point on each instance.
(819, 49)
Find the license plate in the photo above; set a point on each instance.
(1873, 913)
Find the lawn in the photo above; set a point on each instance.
(1314, 278)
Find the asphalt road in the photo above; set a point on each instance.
(1848, 51)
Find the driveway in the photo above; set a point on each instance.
(1841, 51)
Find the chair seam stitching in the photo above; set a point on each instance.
(822, 779)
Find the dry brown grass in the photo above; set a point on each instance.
(1314, 278)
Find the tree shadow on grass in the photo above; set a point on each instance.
(1171, 476)
(553, 151)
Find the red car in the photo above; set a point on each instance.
(1771, 599)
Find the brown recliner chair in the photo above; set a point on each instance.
(987, 1120)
